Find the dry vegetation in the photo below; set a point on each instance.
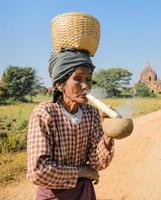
(136, 106)
(11, 167)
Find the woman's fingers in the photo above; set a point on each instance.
(96, 181)
(104, 115)
(89, 173)
(93, 174)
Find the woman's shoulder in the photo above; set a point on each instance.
(45, 107)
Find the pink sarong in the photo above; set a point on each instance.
(83, 191)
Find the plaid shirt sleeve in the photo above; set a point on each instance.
(42, 169)
(99, 156)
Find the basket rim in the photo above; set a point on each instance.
(74, 13)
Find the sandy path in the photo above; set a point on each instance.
(134, 174)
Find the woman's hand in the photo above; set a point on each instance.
(104, 114)
(89, 173)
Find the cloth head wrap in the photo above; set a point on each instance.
(65, 62)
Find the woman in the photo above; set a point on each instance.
(66, 144)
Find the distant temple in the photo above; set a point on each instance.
(149, 77)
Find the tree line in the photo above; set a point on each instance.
(18, 82)
(116, 82)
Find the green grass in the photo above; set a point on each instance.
(12, 165)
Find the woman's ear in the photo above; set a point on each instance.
(60, 87)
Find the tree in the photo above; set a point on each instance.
(113, 80)
(142, 90)
(17, 82)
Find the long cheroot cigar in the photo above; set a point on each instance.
(103, 107)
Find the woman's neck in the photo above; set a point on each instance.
(69, 105)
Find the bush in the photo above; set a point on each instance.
(14, 142)
(12, 134)
(143, 90)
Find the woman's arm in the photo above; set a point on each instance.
(42, 169)
(101, 148)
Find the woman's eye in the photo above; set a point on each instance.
(81, 80)
(78, 79)
(89, 80)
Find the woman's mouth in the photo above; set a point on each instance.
(83, 95)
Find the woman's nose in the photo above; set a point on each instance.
(85, 85)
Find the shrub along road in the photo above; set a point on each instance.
(133, 174)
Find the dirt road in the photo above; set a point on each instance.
(134, 174)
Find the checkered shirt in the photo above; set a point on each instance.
(56, 147)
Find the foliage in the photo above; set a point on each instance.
(12, 134)
(11, 166)
(14, 142)
(13, 124)
(17, 82)
(113, 80)
(142, 90)
(42, 90)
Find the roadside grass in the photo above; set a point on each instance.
(134, 107)
(146, 105)
(23, 110)
(13, 163)
(12, 166)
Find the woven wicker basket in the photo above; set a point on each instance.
(75, 30)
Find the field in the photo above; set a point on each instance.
(13, 129)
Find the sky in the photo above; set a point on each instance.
(130, 33)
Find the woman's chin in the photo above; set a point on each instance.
(82, 100)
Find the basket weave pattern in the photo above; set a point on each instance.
(75, 30)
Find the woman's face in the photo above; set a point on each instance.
(78, 85)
